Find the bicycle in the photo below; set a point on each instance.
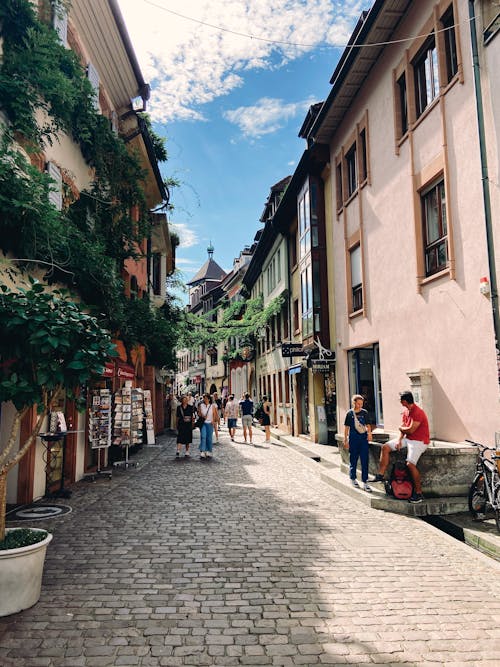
(484, 492)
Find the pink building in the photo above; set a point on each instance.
(411, 199)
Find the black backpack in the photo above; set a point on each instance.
(259, 412)
(400, 483)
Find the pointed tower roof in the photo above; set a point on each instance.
(209, 271)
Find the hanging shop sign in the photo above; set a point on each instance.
(109, 369)
(125, 372)
(321, 365)
(197, 379)
(292, 350)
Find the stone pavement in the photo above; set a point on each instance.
(249, 559)
(450, 514)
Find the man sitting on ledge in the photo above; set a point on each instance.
(416, 425)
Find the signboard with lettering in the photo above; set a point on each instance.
(322, 365)
(292, 350)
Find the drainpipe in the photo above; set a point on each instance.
(290, 317)
(485, 180)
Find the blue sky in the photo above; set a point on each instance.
(231, 106)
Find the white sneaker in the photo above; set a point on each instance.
(355, 483)
(367, 488)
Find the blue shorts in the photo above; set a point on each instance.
(231, 423)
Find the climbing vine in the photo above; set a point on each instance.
(44, 91)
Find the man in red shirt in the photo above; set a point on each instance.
(413, 434)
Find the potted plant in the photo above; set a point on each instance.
(49, 344)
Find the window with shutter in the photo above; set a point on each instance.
(93, 77)
(60, 22)
(55, 194)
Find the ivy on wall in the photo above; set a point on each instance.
(86, 243)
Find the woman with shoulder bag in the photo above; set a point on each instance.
(185, 418)
(357, 434)
(208, 412)
(266, 419)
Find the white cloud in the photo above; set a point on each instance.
(187, 235)
(189, 63)
(266, 116)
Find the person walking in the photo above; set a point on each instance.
(357, 435)
(185, 420)
(246, 409)
(266, 419)
(231, 414)
(413, 434)
(218, 405)
(207, 411)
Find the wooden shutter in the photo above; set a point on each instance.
(93, 77)
(55, 194)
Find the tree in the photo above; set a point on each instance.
(49, 344)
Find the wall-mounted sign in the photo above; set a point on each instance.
(321, 365)
(292, 350)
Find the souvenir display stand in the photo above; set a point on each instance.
(128, 421)
(148, 414)
(100, 427)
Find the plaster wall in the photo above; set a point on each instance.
(445, 324)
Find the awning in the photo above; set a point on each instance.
(293, 370)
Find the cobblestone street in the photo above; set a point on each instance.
(249, 559)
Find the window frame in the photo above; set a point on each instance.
(436, 188)
(426, 75)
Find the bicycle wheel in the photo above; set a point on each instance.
(477, 498)
(496, 508)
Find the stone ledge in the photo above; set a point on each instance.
(446, 468)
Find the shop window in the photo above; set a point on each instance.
(450, 44)
(364, 379)
(425, 69)
(356, 279)
(435, 228)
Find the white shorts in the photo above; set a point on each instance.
(246, 420)
(415, 448)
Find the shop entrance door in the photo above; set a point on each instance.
(364, 379)
(304, 401)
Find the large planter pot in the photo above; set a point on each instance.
(21, 575)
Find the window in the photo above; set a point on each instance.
(351, 171)
(93, 77)
(307, 301)
(402, 106)
(364, 379)
(60, 21)
(491, 18)
(435, 232)
(450, 44)
(304, 217)
(426, 76)
(356, 279)
(293, 249)
(363, 164)
(338, 179)
(213, 357)
(296, 315)
(55, 194)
